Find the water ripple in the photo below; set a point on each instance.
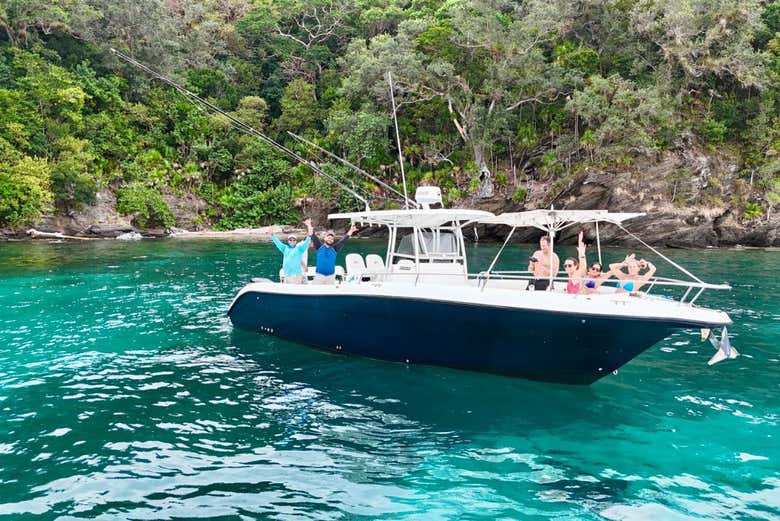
(126, 394)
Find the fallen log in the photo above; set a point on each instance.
(35, 234)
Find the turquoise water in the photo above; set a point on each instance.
(126, 394)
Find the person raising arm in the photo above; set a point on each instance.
(292, 252)
(633, 280)
(327, 250)
(575, 268)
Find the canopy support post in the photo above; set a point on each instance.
(552, 275)
(495, 259)
(598, 243)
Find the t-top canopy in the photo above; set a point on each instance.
(415, 218)
(553, 220)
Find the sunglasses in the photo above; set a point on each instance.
(595, 268)
(568, 265)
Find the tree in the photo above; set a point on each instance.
(22, 20)
(252, 110)
(299, 108)
(143, 29)
(623, 119)
(359, 136)
(701, 40)
(484, 59)
(74, 175)
(205, 29)
(303, 36)
(45, 104)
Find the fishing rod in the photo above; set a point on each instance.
(240, 125)
(354, 167)
(398, 137)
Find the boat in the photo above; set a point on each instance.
(421, 305)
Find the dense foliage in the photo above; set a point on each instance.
(490, 94)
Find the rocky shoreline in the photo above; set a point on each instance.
(700, 209)
(661, 230)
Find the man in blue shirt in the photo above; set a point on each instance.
(292, 253)
(326, 255)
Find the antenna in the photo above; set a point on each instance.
(398, 140)
(240, 125)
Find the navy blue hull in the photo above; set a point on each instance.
(539, 345)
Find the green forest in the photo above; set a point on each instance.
(489, 94)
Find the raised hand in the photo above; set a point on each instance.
(352, 229)
(580, 245)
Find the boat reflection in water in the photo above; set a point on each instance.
(420, 304)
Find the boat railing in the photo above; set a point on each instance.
(689, 291)
(692, 289)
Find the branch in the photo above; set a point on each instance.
(455, 121)
(320, 30)
(538, 99)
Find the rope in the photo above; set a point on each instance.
(664, 257)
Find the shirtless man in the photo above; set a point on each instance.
(539, 265)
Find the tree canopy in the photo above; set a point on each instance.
(540, 89)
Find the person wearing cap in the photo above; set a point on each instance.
(327, 250)
(292, 253)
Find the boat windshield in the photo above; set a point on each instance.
(433, 244)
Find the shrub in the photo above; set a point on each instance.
(773, 198)
(25, 191)
(713, 131)
(247, 208)
(520, 195)
(453, 194)
(753, 211)
(147, 205)
(73, 176)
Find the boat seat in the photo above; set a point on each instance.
(356, 267)
(375, 266)
(312, 271)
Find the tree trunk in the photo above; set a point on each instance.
(483, 172)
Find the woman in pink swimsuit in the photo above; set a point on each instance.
(575, 268)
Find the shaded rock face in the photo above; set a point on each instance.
(99, 219)
(187, 209)
(687, 198)
(102, 220)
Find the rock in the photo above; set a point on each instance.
(99, 219)
(109, 230)
(187, 209)
(130, 236)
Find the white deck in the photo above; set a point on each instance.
(613, 305)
